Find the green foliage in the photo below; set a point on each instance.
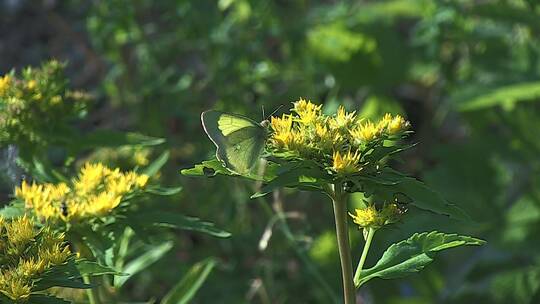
(412, 255)
(186, 288)
(465, 75)
(37, 107)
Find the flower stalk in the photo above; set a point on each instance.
(339, 199)
(357, 274)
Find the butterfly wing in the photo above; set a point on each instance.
(239, 140)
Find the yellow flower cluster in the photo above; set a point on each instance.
(371, 217)
(25, 253)
(35, 101)
(95, 192)
(4, 84)
(337, 141)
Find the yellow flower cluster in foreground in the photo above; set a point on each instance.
(25, 254)
(95, 192)
(337, 141)
(371, 217)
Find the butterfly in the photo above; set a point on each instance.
(239, 140)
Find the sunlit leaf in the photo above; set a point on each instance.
(142, 262)
(412, 255)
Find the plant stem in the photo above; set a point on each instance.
(340, 214)
(93, 296)
(84, 251)
(371, 233)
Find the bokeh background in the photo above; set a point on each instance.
(465, 73)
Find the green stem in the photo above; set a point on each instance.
(340, 214)
(93, 296)
(371, 233)
(85, 252)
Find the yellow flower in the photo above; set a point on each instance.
(285, 137)
(141, 157)
(307, 112)
(343, 119)
(392, 125)
(44, 199)
(397, 125)
(326, 138)
(20, 231)
(90, 177)
(365, 132)
(95, 192)
(4, 84)
(31, 267)
(31, 84)
(281, 125)
(383, 123)
(56, 254)
(141, 180)
(368, 217)
(16, 289)
(30, 252)
(346, 164)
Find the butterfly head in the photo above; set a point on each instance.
(265, 123)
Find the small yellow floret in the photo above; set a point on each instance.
(307, 111)
(343, 119)
(347, 163)
(20, 231)
(16, 289)
(4, 84)
(392, 125)
(31, 267)
(365, 132)
(31, 84)
(367, 217)
(397, 125)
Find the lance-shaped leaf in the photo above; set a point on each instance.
(142, 262)
(213, 167)
(175, 221)
(304, 175)
(185, 290)
(156, 165)
(412, 255)
(111, 138)
(390, 182)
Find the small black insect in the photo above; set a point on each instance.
(64, 208)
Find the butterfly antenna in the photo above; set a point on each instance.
(274, 112)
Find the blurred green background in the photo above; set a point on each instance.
(465, 73)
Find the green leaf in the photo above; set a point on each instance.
(391, 182)
(165, 191)
(213, 167)
(110, 138)
(208, 168)
(90, 268)
(185, 290)
(45, 299)
(15, 209)
(412, 255)
(142, 262)
(65, 275)
(179, 221)
(503, 95)
(156, 165)
(303, 175)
